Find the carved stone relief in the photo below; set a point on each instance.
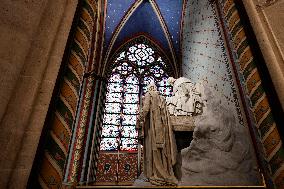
(187, 97)
(185, 104)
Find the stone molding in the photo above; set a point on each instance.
(269, 42)
(24, 117)
(182, 123)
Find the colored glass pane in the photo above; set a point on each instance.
(114, 87)
(128, 144)
(109, 130)
(129, 119)
(131, 88)
(113, 97)
(111, 118)
(134, 68)
(131, 98)
(108, 144)
(129, 131)
(131, 108)
(112, 107)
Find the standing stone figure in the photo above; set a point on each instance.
(159, 146)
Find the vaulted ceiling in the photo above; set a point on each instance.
(160, 20)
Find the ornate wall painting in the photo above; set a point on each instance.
(59, 135)
(206, 60)
(204, 54)
(270, 146)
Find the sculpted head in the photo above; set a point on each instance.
(152, 87)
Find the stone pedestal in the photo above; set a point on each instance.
(182, 123)
(142, 181)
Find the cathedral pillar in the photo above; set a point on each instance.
(265, 17)
(247, 64)
(80, 166)
(34, 34)
(67, 125)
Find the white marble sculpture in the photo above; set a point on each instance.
(186, 99)
(219, 153)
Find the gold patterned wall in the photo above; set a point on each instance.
(265, 123)
(60, 132)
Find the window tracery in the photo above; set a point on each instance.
(138, 64)
(134, 69)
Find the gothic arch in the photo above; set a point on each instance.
(134, 64)
(145, 39)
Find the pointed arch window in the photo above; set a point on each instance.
(134, 67)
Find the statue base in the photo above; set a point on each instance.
(142, 181)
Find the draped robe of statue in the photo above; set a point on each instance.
(159, 147)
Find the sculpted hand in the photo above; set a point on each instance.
(139, 121)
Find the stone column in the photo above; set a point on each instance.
(266, 17)
(34, 35)
(72, 88)
(259, 104)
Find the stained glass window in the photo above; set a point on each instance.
(132, 70)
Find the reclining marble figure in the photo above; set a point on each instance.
(219, 154)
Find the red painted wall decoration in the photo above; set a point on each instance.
(117, 168)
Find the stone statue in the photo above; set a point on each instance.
(159, 146)
(186, 99)
(218, 154)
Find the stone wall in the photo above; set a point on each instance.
(254, 89)
(33, 38)
(202, 55)
(205, 58)
(266, 17)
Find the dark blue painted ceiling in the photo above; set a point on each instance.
(145, 20)
(116, 9)
(172, 11)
